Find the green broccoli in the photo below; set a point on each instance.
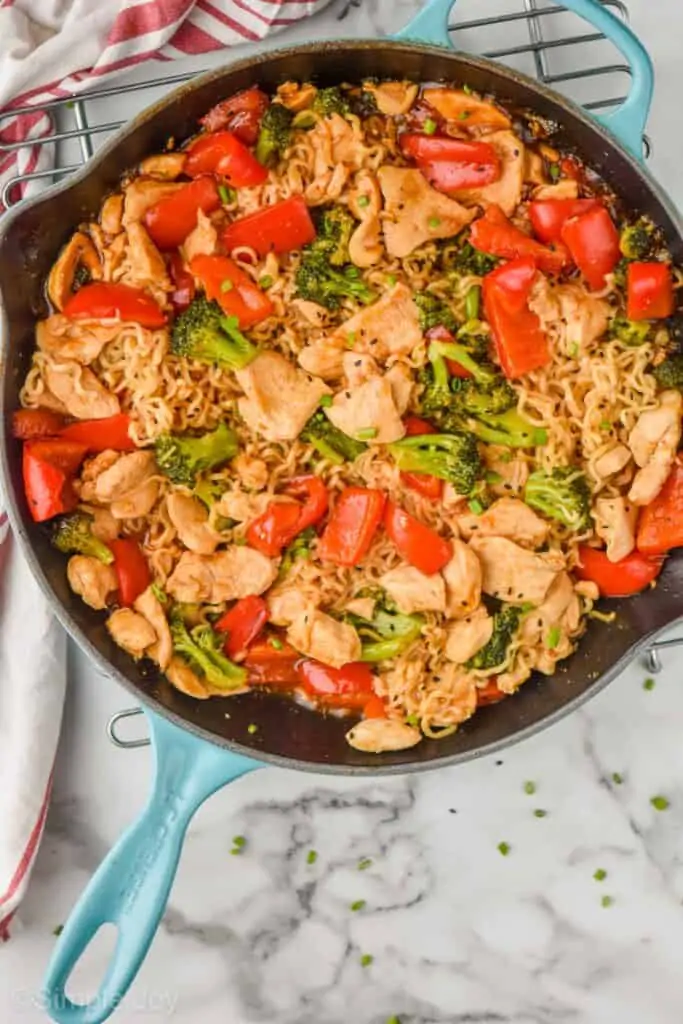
(203, 333)
(510, 430)
(201, 648)
(387, 634)
(637, 240)
(453, 457)
(330, 100)
(630, 332)
(73, 535)
(182, 457)
(458, 256)
(433, 312)
(335, 228)
(494, 653)
(274, 134)
(563, 495)
(669, 374)
(333, 444)
(208, 491)
(317, 281)
(485, 393)
(299, 548)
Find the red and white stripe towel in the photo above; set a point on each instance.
(51, 49)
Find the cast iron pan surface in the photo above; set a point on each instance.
(287, 733)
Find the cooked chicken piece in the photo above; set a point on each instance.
(379, 735)
(124, 475)
(164, 165)
(615, 523)
(91, 470)
(506, 517)
(466, 637)
(462, 577)
(111, 214)
(346, 146)
(363, 607)
(202, 240)
(243, 507)
(551, 626)
(323, 358)
(654, 441)
(319, 636)
(148, 605)
(337, 152)
(279, 398)
(412, 591)
(180, 675)
(296, 97)
(146, 267)
(507, 191)
(224, 576)
(587, 589)
(461, 106)
(368, 412)
(513, 574)
(77, 340)
(510, 682)
(104, 526)
(568, 188)
(534, 168)
(389, 327)
(392, 98)
(329, 183)
(91, 580)
(612, 460)
(143, 193)
(586, 317)
(401, 380)
(461, 690)
(191, 520)
(78, 251)
(253, 473)
(311, 313)
(131, 631)
(414, 212)
(80, 392)
(135, 503)
(365, 203)
(287, 604)
(358, 368)
(513, 470)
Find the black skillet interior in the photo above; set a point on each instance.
(287, 733)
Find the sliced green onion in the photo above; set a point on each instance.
(391, 280)
(367, 433)
(607, 901)
(239, 841)
(605, 425)
(312, 857)
(464, 115)
(429, 127)
(503, 849)
(58, 930)
(228, 195)
(350, 339)
(617, 779)
(529, 788)
(540, 813)
(553, 638)
(227, 286)
(366, 960)
(364, 863)
(660, 803)
(265, 281)
(357, 905)
(649, 684)
(492, 477)
(472, 302)
(600, 875)
(363, 201)
(433, 222)
(467, 89)
(326, 401)
(475, 506)
(276, 642)
(554, 172)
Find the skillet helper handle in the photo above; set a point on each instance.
(627, 121)
(131, 886)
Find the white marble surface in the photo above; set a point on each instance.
(458, 932)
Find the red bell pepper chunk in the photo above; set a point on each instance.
(593, 241)
(107, 301)
(241, 114)
(232, 288)
(347, 687)
(48, 468)
(33, 424)
(268, 666)
(282, 227)
(170, 221)
(243, 623)
(548, 216)
(283, 521)
(451, 164)
(131, 569)
(649, 291)
(352, 526)
(489, 694)
(496, 235)
(223, 153)
(520, 343)
(424, 484)
(98, 435)
(183, 284)
(617, 579)
(423, 547)
(660, 524)
(375, 708)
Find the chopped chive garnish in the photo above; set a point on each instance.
(350, 339)
(252, 728)
(366, 959)
(363, 201)
(429, 127)
(357, 905)
(326, 401)
(364, 863)
(228, 195)
(600, 875)
(503, 849)
(433, 222)
(265, 281)
(540, 813)
(617, 779)
(649, 684)
(607, 901)
(472, 302)
(276, 642)
(467, 89)
(367, 433)
(574, 350)
(227, 286)
(58, 930)
(529, 788)
(413, 719)
(312, 857)
(605, 425)
(464, 114)
(553, 638)
(660, 803)
(391, 280)
(554, 172)
(475, 506)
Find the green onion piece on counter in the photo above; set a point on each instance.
(530, 788)
(367, 433)
(660, 803)
(540, 813)
(429, 127)
(58, 930)
(607, 901)
(503, 849)
(649, 684)
(239, 841)
(357, 905)
(366, 960)
(473, 302)
(617, 779)
(364, 863)
(600, 875)
(312, 857)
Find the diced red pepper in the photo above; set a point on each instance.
(496, 235)
(240, 113)
(548, 216)
(243, 623)
(375, 708)
(521, 344)
(660, 525)
(33, 424)
(48, 468)
(267, 665)
(282, 227)
(232, 288)
(170, 221)
(131, 569)
(347, 687)
(571, 168)
(423, 547)
(489, 694)
(183, 284)
(593, 241)
(223, 153)
(109, 301)
(451, 165)
(98, 435)
(352, 526)
(649, 291)
(617, 579)
(424, 484)
(283, 521)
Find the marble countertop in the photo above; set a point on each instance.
(457, 932)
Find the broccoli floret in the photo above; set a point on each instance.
(637, 240)
(208, 491)
(299, 548)
(387, 634)
(332, 443)
(330, 101)
(317, 281)
(563, 495)
(510, 430)
(433, 312)
(201, 648)
(494, 653)
(182, 457)
(73, 535)
(274, 134)
(669, 374)
(630, 332)
(453, 457)
(485, 393)
(335, 228)
(203, 333)
(458, 256)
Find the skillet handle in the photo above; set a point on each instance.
(628, 121)
(131, 886)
